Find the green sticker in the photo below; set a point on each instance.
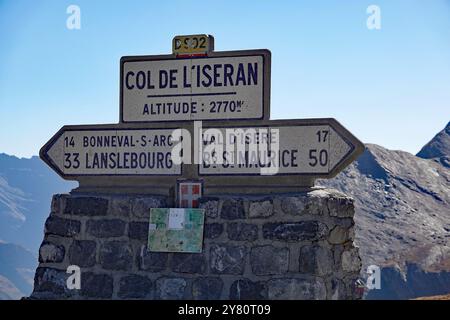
(177, 230)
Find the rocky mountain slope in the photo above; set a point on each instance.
(403, 216)
(438, 148)
(16, 271)
(26, 188)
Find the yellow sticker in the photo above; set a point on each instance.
(197, 43)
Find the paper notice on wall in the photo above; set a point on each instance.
(176, 230)
(176, 219)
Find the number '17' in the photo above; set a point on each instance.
(322, 135)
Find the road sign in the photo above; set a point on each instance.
(222, 85)
(196, 83)
(192, 44)
(316, 147)
(311, 148)
(81, 151)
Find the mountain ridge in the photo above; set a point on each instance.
(438, 148)
(402, 216)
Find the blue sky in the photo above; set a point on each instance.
(390, 86)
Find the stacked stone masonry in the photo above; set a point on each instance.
(289, 246)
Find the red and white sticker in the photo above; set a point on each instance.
(189, 193)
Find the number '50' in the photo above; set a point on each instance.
(318, 157)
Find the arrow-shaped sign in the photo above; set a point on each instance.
(110, 151)
(317, 148)
(313, 147)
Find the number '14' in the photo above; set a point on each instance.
(69, 142)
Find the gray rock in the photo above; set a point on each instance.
(242, 231)
(345, 222)
(62, 227)
(269, 260)
(316, 260)
(171, 288)
(296, 289)
(138, 230)
(86, 206)
(341, 206)
(120, 206)
(337, 290)
(140, 207)
(211, 206)
(116, 255)
(213, 230)
(338, 235)
(50, 252)
(261, 209)
(58, 203)
(207, 288)
(293, 205)
(351, 234)
(227, 259)
(51, 280)
(232, 209)
(107, 228)
(294, 231)
(188, 263)
(82, 253)
(135, 287)
(337, 254)
(98, 286)
(351, 261)
(151, 261)
(316, 202)
(245, 289)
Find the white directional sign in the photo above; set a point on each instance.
(280, 149)
(81, 152)
(315, 148)
(222, 85)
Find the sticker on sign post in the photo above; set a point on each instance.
(189, 192)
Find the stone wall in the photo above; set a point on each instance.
(292, 246)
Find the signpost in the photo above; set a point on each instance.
(160, 143)
(230, 92)
(223, 85)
